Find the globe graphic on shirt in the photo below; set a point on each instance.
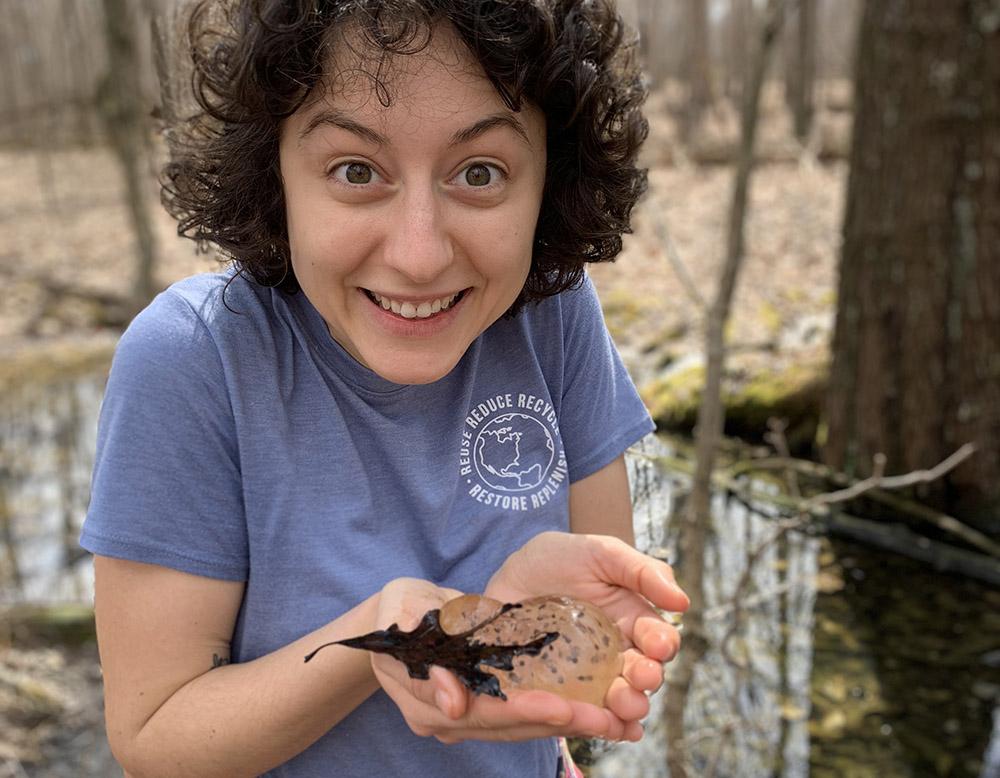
(514, 452)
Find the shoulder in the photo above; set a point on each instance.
(569, 318)
(189, 322)
(580, 303)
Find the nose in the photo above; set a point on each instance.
(418, 242)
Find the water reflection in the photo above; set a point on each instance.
(749, 708)
(841, 661)
(48, 422)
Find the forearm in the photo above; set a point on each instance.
(243, 719)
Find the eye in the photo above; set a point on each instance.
(480, 175)
(355, 173)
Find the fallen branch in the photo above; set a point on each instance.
(880, 489)
(893, 536)
(902, 540)
(892, 482)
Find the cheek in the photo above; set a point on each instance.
(321, 241)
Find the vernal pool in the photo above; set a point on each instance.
(846, 661)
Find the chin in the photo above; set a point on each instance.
(414, 371)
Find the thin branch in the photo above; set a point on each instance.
(711, 413)
(674, 257)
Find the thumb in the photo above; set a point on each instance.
(447, 693)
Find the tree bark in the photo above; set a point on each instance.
(119, 101)
(916, 367)
(697, 64)
(800, 68)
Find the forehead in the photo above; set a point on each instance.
(434, 70)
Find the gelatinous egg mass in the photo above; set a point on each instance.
(555, 644)
(579, 664)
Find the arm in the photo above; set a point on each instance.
(172, 712)
(174, 709)
(601, 503)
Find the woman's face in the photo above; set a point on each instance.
(411, 225)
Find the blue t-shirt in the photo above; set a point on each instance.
(239, 441)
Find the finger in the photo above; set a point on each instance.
(625, 701)
(655, 637)
(633, 732)
(652, 578)
(642, 625)
(445, 692)
(641, 672)
(527, 715)
(657, 584)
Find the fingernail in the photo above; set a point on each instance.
(441, 700)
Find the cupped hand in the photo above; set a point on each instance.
(443, 707)
(626, 584)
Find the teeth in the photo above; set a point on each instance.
(410, 311)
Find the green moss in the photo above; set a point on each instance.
(65, 624)
(624, 310)
(794, 394)
(770, 317)
(673, 399)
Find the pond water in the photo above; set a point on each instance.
(839, 661)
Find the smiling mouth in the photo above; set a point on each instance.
(409, 310)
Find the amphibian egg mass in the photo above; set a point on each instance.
(555, 644)
(579, 664)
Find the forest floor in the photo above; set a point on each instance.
(67, 252)
(66, 256)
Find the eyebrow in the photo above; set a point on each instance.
(335, 118)
(486, 124)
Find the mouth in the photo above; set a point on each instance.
(410, 310)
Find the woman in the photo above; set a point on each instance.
(401, 391)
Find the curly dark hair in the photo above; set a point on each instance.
(257, 61)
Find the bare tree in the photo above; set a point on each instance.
(119, 101)
(711, 414)
(739, 22)
(697, 64)
(800, 66)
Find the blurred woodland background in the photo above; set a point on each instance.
(861, 338)
(916, 368)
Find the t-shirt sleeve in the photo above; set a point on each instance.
(166, 486)
(602, 413)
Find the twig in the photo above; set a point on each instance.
(926, 476)
(776, 437)
(673, 256)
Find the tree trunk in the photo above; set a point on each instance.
(737, 56)
(800, 67)
(916, 368)
(697, 64)
(119, 101)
